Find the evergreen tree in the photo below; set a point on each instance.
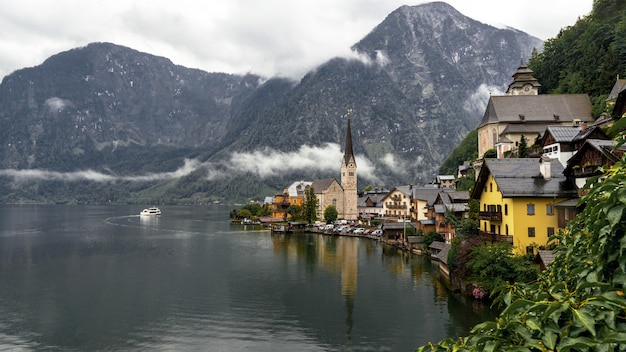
(522, 151)
(309, 207)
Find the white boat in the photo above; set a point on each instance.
(153, 211)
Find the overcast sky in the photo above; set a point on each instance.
(269, 37)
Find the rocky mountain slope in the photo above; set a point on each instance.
(108, 123)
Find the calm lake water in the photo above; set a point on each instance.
(100, 278)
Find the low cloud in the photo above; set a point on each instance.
(394, 164)
(95, 176)
(477, 102)
(262, 163)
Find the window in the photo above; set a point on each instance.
(506, 229)
(531, 232)
(506, 209)
(549, 209)
(335, 203)
(490, 187)
(351, 173)
(550, 231)
(530, 209)
(567, 215)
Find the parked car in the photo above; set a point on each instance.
(378, 232)
(358, 231)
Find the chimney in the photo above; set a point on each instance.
(544, 168)
(583, 127)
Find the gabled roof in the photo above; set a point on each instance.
(537, 108)
(563, 134)
(406, 190)
(298, 188)
(603, 146)
(569, 134)
(618, 87)
(427, 194)
(522, 178)
(455, 207)
(321, 185)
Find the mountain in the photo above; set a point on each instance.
(106, 123)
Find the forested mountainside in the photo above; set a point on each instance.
(106, 123)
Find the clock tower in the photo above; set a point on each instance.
(348, 178)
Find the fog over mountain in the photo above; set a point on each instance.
(108, 123)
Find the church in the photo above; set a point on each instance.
(342, 195)
(525, 112)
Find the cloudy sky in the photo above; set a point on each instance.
(269, 37)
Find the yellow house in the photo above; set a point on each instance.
(292, 195)
(517, 198)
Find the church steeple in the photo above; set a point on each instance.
(523, 81)
(348, 154)
(349, 178)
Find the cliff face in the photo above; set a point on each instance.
(420, 86)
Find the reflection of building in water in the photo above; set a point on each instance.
(343, 258)
(339, 255)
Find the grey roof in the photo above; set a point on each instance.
(547, 256)
(537, 108)
(568, 203)
(604, 146)
(528, 128)
(427, 194)
(569, 134)
(522, 178)
(455, 207)
(563, 134)
(397, 225)
(437, 245)
(443, 254)
(321, 185)
(618, 87)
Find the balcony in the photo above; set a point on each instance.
(490, 215)
(494, 237)
(396, 206)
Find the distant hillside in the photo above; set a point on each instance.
(105, 123)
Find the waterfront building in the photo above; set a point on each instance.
(517, 200)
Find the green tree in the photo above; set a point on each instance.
(578, 303)
(244, 214)
(368, 188)
(330, 214)
(466, 182)
(490, 153)
(494, 264)
(466, 151)
(522, 149)
(432, 236)
(309, 207)
(294, 212)
(466, 227)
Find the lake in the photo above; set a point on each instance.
(95, 278)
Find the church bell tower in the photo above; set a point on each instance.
(348, 178)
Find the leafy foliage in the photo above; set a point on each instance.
(578, 303)
(432, 236)
(494, 264)
(330, 214)
(586, 57)
(466, 151)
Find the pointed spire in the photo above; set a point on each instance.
(347, 154)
